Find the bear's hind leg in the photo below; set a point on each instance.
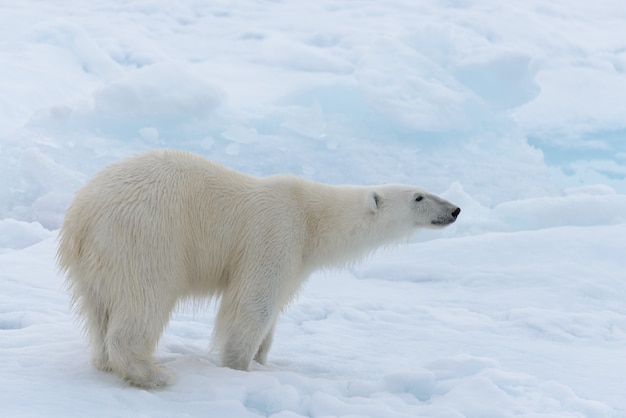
(96, 325)
(131, 340)
(93, 310)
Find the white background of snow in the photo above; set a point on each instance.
(514, 111)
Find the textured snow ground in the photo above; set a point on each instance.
(513, 111)
(500, 324)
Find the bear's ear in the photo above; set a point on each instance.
(373, 201)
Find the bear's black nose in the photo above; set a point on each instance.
(456, 212)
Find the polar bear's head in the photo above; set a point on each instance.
(399, 205)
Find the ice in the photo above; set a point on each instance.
(383, 342)
(515, 112)
(19, 234)
(156, 91)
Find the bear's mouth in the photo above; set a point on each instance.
(447, 220)
(443, 222)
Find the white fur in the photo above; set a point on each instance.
(164, 225)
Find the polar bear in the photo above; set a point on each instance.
(166, 225)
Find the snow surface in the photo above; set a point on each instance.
(513, 110)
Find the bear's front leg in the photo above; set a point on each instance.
(264, 349)
(246, 338)
(245, 323)
(238, 352)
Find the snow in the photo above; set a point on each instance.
(512, 111)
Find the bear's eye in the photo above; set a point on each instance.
(419, 198)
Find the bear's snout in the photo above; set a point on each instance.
(446, 218)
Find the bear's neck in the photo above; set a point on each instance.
(341, 228)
